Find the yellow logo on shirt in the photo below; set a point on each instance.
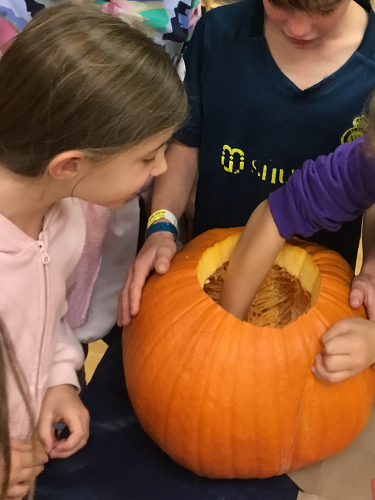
(233, 161)
(357, 130)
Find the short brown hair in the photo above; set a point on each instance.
(76, 78)
(312, 6)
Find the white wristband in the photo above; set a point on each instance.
(162, 214)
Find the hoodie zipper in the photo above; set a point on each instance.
(45, 261)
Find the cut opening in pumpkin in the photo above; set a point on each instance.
(289, 290)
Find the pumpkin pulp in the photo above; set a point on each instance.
(289, 290)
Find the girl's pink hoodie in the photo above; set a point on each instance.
(35, 275)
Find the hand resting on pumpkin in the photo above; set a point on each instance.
(363, 290)
(156, 253)
(348, 348)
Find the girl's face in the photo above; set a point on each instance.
(303, 29)
(119, 178)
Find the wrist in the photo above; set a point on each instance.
(162, 227)
(162, 215)
(162, 234)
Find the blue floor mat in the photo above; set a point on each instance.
(120, 462)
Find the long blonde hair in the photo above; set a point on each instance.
(76, 78)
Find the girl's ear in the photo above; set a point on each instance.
(67, 165)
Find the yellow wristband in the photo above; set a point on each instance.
(162, 214)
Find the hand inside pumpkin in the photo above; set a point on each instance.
(348, 348)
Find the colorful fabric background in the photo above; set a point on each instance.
(165, 21)
(170, 22)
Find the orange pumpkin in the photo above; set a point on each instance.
(227, 399)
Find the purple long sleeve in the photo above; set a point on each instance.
(326, 192)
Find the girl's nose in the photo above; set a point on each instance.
(161, 165)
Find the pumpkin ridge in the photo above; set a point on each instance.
(234, 459)
(290, 450)
(299, 421)
(200, 428)
(308, 383)
(156, 339)
(193, 340)
(146, 357)
(158, 373)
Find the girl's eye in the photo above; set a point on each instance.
(148, 160)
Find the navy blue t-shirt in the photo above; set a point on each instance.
(254, 126)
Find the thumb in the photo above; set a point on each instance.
(162, 262)
(162, 265)
(356, 297)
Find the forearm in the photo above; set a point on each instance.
(326, 192)
(172, 189)
(256, 251)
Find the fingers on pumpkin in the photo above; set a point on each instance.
(324, 375)
(123, 304)
(342, 327)
(363, 292)
(130, 297)
(356, 296)
(163, 259)
(135, 287)
(337, 363)
(155, 257)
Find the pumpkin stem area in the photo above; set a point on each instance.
(289, 290)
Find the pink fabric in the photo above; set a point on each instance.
(33, 305)
(115, 8)
(7, 32)
(195, 14)
(88, 267)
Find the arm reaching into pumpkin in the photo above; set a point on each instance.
(250, 261)
(323, 194)
(171, 192)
